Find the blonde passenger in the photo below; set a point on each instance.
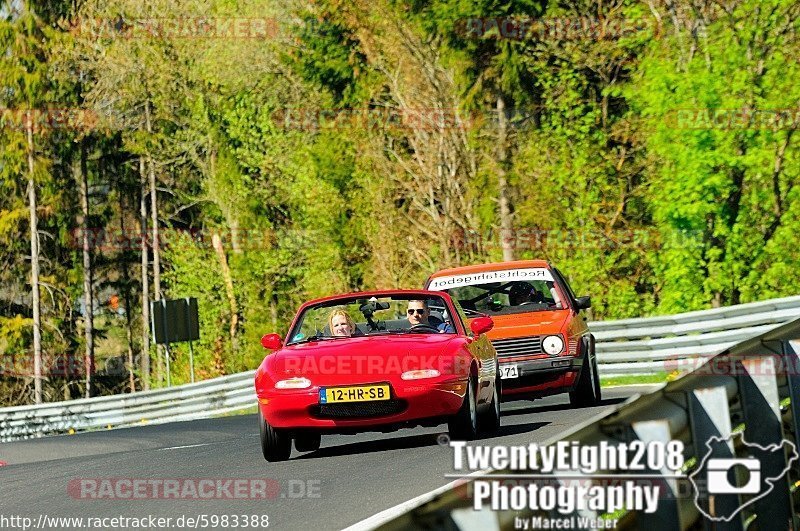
(341, 324)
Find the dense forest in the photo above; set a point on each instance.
(256, 154)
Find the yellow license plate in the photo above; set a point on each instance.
(364, 393)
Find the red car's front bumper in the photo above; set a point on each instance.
(410, 401)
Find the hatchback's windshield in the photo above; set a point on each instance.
(501, 292)
(374, 316)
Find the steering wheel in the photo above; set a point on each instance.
(423, 326)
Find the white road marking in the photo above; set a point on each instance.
(186, 446)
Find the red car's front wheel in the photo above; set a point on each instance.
(276, 444)
(489, 421)
(463, 426)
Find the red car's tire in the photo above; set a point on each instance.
(307, 442)
(276, 444)
(489, 421)
(463, 426)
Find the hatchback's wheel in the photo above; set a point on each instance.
(598, 389)
(587, 392)
(463, 426)
(307, 442)
(276, 444)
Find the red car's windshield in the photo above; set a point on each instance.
(395, 314)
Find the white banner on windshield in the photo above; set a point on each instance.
(485, 277)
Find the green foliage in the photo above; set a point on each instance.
(302, 150)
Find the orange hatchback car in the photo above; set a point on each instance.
(543, 343)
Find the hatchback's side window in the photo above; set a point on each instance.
(566, 284)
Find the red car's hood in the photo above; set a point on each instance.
(363, 359)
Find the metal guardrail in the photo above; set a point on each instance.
(752, 387)
(216, 396)
(681, 342)
(630, 346)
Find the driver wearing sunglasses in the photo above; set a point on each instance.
(418, 313)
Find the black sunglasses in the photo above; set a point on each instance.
(420, 311)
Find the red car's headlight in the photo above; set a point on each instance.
(419, 374)
(293, 383)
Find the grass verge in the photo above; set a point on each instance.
(655, 378)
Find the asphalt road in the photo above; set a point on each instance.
(350, 478)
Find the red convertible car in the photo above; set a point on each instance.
(376, 361)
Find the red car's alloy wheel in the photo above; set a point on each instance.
(464, 424)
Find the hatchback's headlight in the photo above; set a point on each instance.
(553, 345)
(293, 383)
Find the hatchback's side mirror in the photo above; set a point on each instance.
(583, 303)
(481, 325)
(271, 341)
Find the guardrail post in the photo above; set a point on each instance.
(668, 514)
(709, 416)
(791, 357)
(762, 417)
(791, 360)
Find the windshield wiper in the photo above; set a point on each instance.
(311, 339)
(388, 332)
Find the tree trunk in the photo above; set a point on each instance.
(716, 301)
(145, 355)
(126, 295)
(79, 169)
(273, 310)
(154, 222)
(506, 226)
(156, 243)
(37, 321)
(216, 242)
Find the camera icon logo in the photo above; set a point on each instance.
(725, 486)
(721, 476)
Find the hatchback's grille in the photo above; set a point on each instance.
(518, 346)
(378, 408)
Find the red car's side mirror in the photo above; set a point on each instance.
(271, 341)
(481, 325)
